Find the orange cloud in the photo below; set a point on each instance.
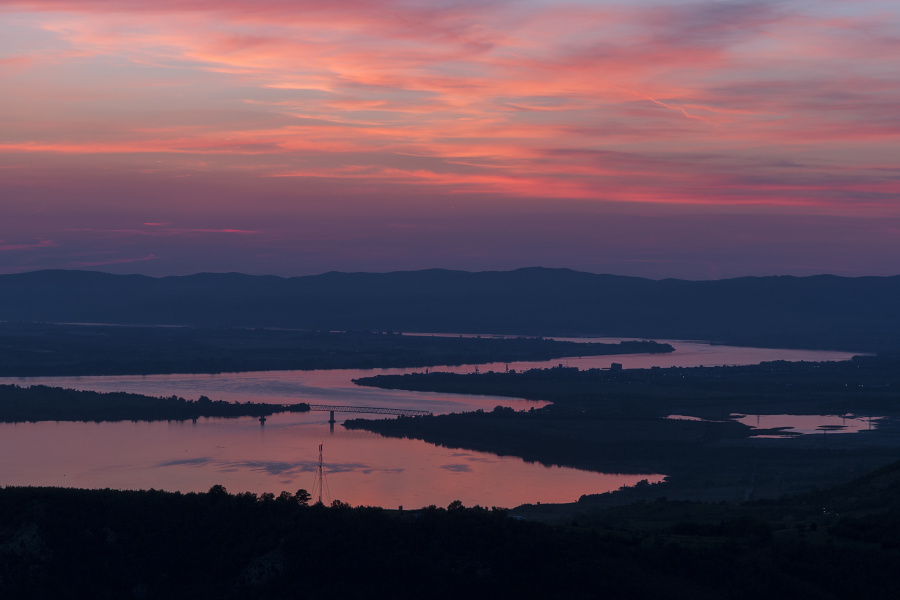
(659, 103)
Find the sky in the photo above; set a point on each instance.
(698, 140)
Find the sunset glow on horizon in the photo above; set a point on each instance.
(699, 140)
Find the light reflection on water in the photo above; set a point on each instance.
(809, 424)
(363, 468)
(798, 424)
(687, 354)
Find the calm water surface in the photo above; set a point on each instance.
(362, 468)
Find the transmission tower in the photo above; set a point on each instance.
(320, 485)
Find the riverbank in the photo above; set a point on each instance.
(244, 456)
(609, 421)
(41, 349)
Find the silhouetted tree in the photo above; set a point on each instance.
(302, 497)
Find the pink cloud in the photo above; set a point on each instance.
(165, 232)
(5, 247)
(729, 106)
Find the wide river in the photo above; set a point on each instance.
(361, 468)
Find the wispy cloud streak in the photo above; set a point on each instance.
(750, 103)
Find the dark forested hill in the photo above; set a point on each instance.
(821, 311)
(57, 543)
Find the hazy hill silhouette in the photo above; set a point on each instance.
(822, 311)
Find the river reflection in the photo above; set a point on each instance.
(808, 424)
(363, 468)
(687, 354)
(791, 425)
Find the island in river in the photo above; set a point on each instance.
(616, 421)
(43, 403)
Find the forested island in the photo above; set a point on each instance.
(615, 421)
(43, 403)
(865, 383)
(42, 349)
(833, 544)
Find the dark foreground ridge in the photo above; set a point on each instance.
(40, 349)
(60, 543)
(42, 403)
(857, 314)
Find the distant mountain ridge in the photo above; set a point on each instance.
(824, 311)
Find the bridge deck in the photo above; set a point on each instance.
(376, 410)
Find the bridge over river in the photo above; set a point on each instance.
(374, 410)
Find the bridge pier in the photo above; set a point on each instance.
(331, 418)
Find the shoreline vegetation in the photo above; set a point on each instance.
(832, 544)
(43, 403)
(43, 349)
(615, 421)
